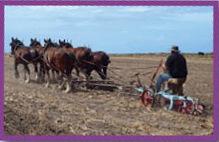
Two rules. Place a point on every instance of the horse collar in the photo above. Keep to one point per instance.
(16, 47)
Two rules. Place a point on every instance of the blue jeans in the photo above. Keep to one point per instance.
(161, 79)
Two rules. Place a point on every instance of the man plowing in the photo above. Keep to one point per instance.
(175, 72)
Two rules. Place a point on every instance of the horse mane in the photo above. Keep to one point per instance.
(69, 45)
(65, 44)
(82, 47)
(22, 44)
(54, 44)
(18, 44)
(38, 43)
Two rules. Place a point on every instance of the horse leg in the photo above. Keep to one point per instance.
(100, 73)
(63, 81)
(105, 71)
(25, 74)
(48, 79)
(56, 75)
(88, 73)
(68, 82)
(77, 71)
(36, 71)
(27, 70)
(53, 75)
(68, 85)
(16, 70)
(42, 72)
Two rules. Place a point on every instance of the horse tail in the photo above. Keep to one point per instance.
(109, 61)
(106, 59)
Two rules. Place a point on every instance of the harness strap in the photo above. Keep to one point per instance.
(22, 58)
(25, 59)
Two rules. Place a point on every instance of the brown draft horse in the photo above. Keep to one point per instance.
(59, 60)
(82, 54)
(37, 46)
(98, 61)
(24, 55)
(40, 49)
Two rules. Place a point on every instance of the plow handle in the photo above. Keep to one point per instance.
(154, 75)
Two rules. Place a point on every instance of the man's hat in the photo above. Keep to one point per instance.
(175, 48)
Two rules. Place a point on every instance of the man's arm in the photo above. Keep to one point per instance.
(164, 68)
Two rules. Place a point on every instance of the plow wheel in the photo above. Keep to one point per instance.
(146, 98)
(189, 109)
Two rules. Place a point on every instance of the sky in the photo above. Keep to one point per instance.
(114, 29)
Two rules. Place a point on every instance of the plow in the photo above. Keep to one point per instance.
(182, 104)
(148, 95)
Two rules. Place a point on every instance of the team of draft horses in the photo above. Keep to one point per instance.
(60, 58)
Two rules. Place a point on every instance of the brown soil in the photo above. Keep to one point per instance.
(32, 109)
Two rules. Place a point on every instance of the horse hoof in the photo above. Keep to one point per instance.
(41, 80)
(27, 81)
(47, 85)
(36, 78)
(67, 91)
(17, 76)
(60, 87)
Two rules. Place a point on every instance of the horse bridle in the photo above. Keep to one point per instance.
(17, 45)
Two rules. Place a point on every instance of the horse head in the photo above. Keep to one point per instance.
(48, 43)
(55, 44)
(68, 45)
(87, 54)
(34, 42)
(64, 44)
(61, 43)
(15, 44)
